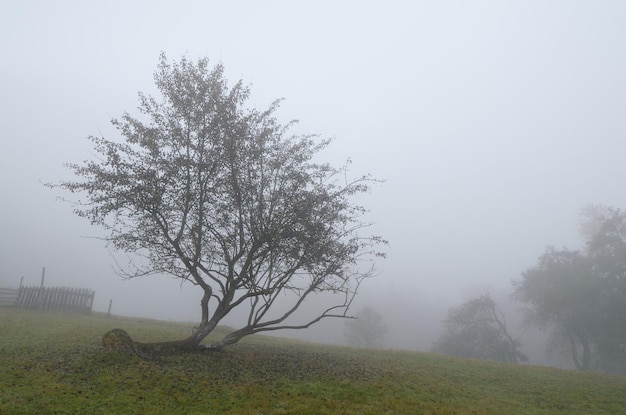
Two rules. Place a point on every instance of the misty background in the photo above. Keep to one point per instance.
(492, 123)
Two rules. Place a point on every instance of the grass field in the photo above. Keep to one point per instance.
(53, 363)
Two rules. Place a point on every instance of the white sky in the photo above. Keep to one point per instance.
(492, 122)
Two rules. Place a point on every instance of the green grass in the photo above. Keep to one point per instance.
(52, 363)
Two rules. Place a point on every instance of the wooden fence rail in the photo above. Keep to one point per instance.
(54, 298)
(8, 296)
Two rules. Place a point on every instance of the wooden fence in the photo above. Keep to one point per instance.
(8, 296)
(49, 298)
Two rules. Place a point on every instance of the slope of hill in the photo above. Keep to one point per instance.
(53, 363)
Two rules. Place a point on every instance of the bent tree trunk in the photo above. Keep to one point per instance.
(119, 339)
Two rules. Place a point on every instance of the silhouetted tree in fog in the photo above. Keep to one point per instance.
(580, 296)
(366, 330)
(220, 196)
(605, 231)
(560, 297)
(477, 329)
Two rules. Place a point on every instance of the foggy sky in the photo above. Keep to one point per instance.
(493, 124)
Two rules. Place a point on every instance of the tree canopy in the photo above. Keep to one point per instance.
(579, 296)
(203, 188)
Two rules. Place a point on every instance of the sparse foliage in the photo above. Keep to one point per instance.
(219, 195)
(366, 330)
(580, 296)
(477, 329)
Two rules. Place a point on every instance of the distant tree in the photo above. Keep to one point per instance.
(561, 298)
(366, 330)
(218, 195)
(605, 231)
(477, 329)
(580, 296)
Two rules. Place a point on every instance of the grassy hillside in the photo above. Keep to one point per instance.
(52, 363)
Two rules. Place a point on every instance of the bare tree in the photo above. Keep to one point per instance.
(477, 329)
(219, 195)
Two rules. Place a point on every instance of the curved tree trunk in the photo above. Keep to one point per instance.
(119, 339)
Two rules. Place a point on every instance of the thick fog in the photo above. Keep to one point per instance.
(492, 124)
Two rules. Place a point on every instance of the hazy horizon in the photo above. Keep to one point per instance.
(492, 123)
